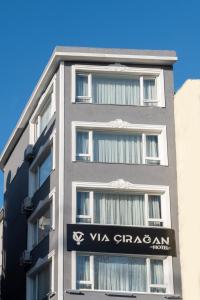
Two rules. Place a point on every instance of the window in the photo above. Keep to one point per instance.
(42, 283)
(44, 112)
(117, 147)
(42, 225)
(41, 221)
(120, 273)
(44, 117)
(118, 86)
(44, 169)
(120, 208)
(40, 278)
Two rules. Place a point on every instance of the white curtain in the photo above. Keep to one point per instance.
(117, 148)
(82, 270)
(119, 273)
(149, 89)
(110, 90)
(82, 203)
(152, 145)
(154, 207)
(82, 144)
(157, 275)
(81, 85)
(119, 209)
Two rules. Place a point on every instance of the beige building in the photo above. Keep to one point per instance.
(187, 124)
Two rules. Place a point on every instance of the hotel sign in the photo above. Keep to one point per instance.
(121, 239)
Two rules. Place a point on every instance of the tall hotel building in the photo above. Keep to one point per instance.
(90, 191)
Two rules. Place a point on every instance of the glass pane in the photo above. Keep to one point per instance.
(115, 90)
(157, 275)
(83, 203)
(120, 273)
(82, 145)
(120, 209)
(82, 269)
(45, 169)
(117, 148)
(83, 220)
(150, 89)
(44, 224)
(154, 207)
(152, 146)
(81, 85)
(44, 283)
(46, 115)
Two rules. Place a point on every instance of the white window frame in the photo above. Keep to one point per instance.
(143, 73)
(47, 202)
(33, 172)
(41, 262)
(167, 267)
(36, 117)
(119, 186)
(118, 124)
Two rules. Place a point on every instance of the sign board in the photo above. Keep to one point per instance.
(121, 239)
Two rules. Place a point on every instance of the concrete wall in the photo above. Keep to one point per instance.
(187, 121)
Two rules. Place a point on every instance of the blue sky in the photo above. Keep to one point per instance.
(29, 31)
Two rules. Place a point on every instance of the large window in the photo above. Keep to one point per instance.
(118, 147)
(120, 208)
(117, 89)
(120, 273)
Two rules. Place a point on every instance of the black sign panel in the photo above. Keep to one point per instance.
(121, 239)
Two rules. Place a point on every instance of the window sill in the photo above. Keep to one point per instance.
(120, 105)
(115, 294)
(126, 164)
(173, 297)
(74, 292)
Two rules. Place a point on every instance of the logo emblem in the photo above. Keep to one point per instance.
(78, 237)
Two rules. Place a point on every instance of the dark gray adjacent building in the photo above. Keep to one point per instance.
(90, 192)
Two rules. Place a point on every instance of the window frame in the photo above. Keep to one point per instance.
(142, 73)
(41, 263)
(124, 127)
(40, 157)
(167, 271)
(49, 201)
(35, 120)
(121, 186)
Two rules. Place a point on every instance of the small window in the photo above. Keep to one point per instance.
(152, 151)
(82, 145)
(44, 169)
(157, 276)
(82, 88)
(42, 225)
(83, 207)
(42, 283)
(150, 97)
(155, 212)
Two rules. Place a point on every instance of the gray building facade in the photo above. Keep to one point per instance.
(95, 146)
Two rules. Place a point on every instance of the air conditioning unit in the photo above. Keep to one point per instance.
(25, 258)
(29, 153)
(27, 205)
